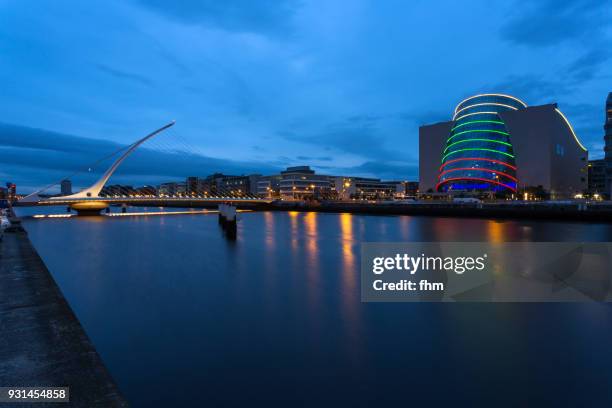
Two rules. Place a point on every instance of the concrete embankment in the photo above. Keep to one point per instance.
(41, 341)
(596, 212)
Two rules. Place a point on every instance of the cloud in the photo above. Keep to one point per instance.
(378, 169)
(310, 158)
(39, 157)
(585, 67)
(550, 22)
(128, 76)
(425, 117)
(269, 17)
(531, 88)
(357, 135)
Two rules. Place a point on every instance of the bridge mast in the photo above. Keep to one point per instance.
(94, 190)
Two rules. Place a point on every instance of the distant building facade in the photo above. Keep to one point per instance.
(117, 190)
(496, 144)
(608, 145)
(11, 191)
(408, 189)
(597, 176)
(221, 184)
(362, 188)
(301, 182)
(66, 187)
(269, 186)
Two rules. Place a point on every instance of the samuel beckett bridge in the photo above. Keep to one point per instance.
(93, 199)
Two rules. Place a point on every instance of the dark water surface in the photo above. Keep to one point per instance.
(184, 317)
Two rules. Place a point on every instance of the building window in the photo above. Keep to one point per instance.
(559, 150)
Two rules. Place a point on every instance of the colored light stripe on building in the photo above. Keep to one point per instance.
(484, 104)
(476, 140)
(476, 148)
(490, 94)
(501, 173)
(478, 121)
(476, 179)
(477, 159)
(571, 129)
(477, 131)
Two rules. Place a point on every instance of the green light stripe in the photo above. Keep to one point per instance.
(476, 140)
(478, 130)
(478, 121)
(475, 148)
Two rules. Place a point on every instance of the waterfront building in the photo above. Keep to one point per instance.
(497, 145)
(269, 186)
(146, 191)
(407, 189)
(301, 182)
(198, 186)
(239, 185)
(117, 190)
(411, 188)
(608, 145)
(362, 188)
(167, 189)
(597, 177)
(66, 187)
(181, 189)
(11, 190)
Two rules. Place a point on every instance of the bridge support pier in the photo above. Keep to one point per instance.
(228, 220)
(88, 208)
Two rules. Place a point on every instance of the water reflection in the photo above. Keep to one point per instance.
(294, 232)
(312, 247)
(495, 231)
(350, 293)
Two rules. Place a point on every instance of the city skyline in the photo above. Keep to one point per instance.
(256, 89)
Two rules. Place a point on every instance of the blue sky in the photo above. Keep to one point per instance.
(259, 85)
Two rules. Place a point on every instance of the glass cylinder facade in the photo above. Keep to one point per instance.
(478, 155)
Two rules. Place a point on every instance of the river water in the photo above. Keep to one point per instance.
(182, 316)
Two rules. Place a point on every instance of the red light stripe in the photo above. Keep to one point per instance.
(478, 158)
(479, 169)
(477, 179)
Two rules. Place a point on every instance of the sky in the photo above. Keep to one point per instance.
(256, 86)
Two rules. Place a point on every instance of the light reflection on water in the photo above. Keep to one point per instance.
(173, 307)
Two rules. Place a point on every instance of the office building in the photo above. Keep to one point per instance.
(117, 190)
(597, 177)
(301, 182)
(66, 187)
(362, 188)
(497, 145)
(608, 145)
(11, 190)
(239, 185)
(269, 186)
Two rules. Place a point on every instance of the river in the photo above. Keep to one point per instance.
(182, 316)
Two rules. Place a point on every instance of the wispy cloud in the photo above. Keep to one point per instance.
(41, 156)
(124, 75)
(262, 16)
(550, 22)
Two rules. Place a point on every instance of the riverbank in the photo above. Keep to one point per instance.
(41, 341)
(562, 211)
